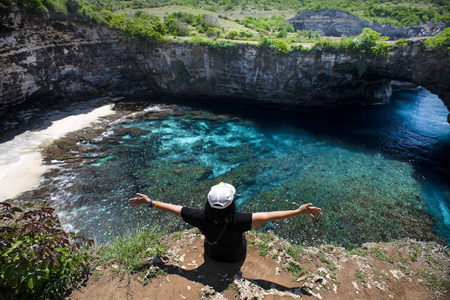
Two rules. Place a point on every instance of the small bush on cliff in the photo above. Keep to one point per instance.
(280, 45)
(214, 44)
(34, 6)
(441, 40)
(138, 29)
(38, 259)
(401, 43)
(368, 42)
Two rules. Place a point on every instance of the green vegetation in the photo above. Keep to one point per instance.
(360, 275)
(274, 24)
(398, 13)
(441, 40)
(401, 43)
(182, 24)
(280, 45)
(128, 253)
(437, 283)
(264, 242)
(368, 42)
(137, 22)
(395, 13)
(142, 28)
(37, 257)
(261, 17)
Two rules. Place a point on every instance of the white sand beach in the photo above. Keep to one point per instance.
(21, 165)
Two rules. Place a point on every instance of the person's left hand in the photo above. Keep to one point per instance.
(138, 201)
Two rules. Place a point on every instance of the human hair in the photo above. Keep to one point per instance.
(220, 215)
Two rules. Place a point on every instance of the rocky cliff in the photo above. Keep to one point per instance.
(63, 58)
(338, 23)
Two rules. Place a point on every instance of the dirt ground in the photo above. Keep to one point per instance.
(404, 269)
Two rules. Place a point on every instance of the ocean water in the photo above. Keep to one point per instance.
(379, 172)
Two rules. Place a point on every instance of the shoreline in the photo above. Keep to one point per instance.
(20, 158)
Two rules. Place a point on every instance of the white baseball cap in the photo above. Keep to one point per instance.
(221, 195)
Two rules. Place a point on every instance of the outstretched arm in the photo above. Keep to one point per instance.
(264, 217)
(144, 200)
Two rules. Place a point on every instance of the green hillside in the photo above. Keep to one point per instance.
(395, 13)
(250, 20)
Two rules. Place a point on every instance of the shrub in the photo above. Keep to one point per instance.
(196, 39)
(441, 40)
(282, 46)
(138, 29)
(223, 46)
(232, 34)
(368, 42)
(369, 38)
(265, 42)
(38, 257)
(401, 43)
(281, 34)
(176, 28)
(34, 6)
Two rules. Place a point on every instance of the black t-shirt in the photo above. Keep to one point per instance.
(231, 245)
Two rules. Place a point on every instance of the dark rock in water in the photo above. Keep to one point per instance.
(133, 131)
(379, 92)
(401, 85)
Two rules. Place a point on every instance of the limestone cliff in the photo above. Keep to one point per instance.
(49, 59)
(337, 23)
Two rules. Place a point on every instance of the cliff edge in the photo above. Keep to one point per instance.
(273, 269)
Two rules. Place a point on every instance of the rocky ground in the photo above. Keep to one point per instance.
(404, 269)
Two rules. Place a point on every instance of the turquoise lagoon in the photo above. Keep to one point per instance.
(379, 172)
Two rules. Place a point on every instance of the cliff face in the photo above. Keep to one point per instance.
(52, 59)
(338, 23)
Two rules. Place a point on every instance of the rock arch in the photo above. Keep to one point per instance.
(72, 59)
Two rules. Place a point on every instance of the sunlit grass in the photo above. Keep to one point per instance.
(129, 252)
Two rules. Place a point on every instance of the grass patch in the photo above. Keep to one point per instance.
(358, 251)
(130, 252)
(360, 275)
(437, 283)
(264, 242)
(295, 269)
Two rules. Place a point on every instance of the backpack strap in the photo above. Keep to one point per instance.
(215, 243)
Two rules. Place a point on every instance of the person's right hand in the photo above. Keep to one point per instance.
(138, 201)
(310, 210)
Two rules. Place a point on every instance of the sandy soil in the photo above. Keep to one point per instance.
(398, 270)
(20, 159)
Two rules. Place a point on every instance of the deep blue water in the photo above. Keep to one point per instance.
(394, 156)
